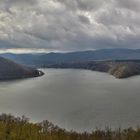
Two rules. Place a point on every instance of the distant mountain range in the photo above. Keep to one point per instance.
(44, 59)
(10, 70)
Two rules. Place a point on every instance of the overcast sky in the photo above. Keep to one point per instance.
(69, 25)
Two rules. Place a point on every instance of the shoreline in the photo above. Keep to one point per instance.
(10, 78)
(118, 69)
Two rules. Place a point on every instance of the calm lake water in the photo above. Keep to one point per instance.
(74, 99)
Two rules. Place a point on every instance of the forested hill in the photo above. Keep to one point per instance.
(119, 69)
(15, 128)
(11, 70)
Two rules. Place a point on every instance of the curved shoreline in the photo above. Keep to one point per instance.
(118, 69)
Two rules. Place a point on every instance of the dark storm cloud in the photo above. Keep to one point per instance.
(7, 4)
(129, 4)
(85, 5)
(21, 1)
(84, 19)
(17, 2)
(67, 25)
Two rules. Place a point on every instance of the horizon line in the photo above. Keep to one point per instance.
(47, 51)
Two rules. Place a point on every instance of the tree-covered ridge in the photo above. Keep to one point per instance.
(16, 128)
(117, 68)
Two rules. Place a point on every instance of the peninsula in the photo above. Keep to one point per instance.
(10, 70)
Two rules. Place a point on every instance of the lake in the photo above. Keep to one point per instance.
(81, 100)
